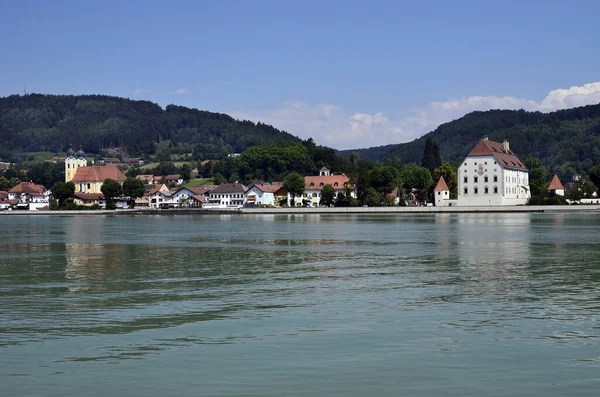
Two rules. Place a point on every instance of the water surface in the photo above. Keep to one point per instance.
(300, 305)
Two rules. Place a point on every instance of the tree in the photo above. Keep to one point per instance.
(327, 195)
(447, 171)
(372, 198)
(294, 185)
(385, 179)
(219, 179)
(111, 189)
(538, 176)
(431, 156)
(62, 191)
(416, 179)
(134, 188)
(186, 172)
(594, 173)
(4, 183)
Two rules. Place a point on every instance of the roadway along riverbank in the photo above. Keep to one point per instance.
(334, 210)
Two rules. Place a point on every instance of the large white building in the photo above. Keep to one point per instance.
(492, 175)
(314, 184)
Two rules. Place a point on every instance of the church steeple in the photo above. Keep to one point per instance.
(72, 162)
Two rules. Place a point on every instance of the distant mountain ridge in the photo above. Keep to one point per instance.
(564, 138)
(36, 122)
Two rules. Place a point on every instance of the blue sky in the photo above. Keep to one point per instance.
(347, 73)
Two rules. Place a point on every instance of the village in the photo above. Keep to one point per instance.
(491, 175)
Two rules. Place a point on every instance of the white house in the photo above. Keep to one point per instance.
(556, 186)
(30, 196)
(314, 184)
(183, 196)
(492, 175)
(232, 195)
(262, 193)
(174, 178)
(441, 194)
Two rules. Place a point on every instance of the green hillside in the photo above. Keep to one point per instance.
(563, 139)
(49, 123)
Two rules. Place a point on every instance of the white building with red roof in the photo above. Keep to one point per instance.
(314, 184)
(492, 174)
(262, 193)
(556, 187)
(28, 195)
(227, 195)
(441, 194)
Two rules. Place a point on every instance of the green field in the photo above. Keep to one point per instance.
(197, 182)
(152, 165)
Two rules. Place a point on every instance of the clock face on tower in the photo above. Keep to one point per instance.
(480, 169)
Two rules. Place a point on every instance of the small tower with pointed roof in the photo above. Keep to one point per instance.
(441, 192)
(74, 161)
(556, 187)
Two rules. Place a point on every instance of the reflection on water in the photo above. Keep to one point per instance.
(310, 304)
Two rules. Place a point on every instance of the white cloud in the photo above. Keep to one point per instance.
(178, 91)
(333, 126)
(182, 91)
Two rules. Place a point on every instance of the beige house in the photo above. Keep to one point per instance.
(90, 179)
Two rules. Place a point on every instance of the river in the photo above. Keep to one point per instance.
(300, 305)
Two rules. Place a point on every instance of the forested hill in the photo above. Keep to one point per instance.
(37, 122)
(565, 138)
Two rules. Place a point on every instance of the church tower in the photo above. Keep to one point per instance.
(72, 162)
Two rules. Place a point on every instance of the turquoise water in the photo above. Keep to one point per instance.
(332, 305)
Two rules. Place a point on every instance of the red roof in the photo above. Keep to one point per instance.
(97, 173)
(145, 177)
(173, 177)
(441, 185)
(88, 196)
(506, 158)
(338, 182)
(200, 197)
(28, 188)
(230, 188)
(555, 184)
(266, 187)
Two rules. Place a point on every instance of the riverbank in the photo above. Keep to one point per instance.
(333, 210)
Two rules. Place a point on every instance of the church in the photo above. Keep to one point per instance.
(89, 179)
(492, 174)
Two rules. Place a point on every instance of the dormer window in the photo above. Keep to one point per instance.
(312, 184)
(321, 184)
(335, 184)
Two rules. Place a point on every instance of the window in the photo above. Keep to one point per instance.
(475, 190)
(475, 180)
(466, 190)
(495, 189)
(89, 186)
(486, 163)
(485, 179)
(485, 190)
(495, 178)
(439, 193)
(445, 193)
(466, 179)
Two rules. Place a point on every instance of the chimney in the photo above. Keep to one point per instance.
(505, 145)
(485, 137)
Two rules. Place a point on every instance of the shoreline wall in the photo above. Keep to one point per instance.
(308, 211)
